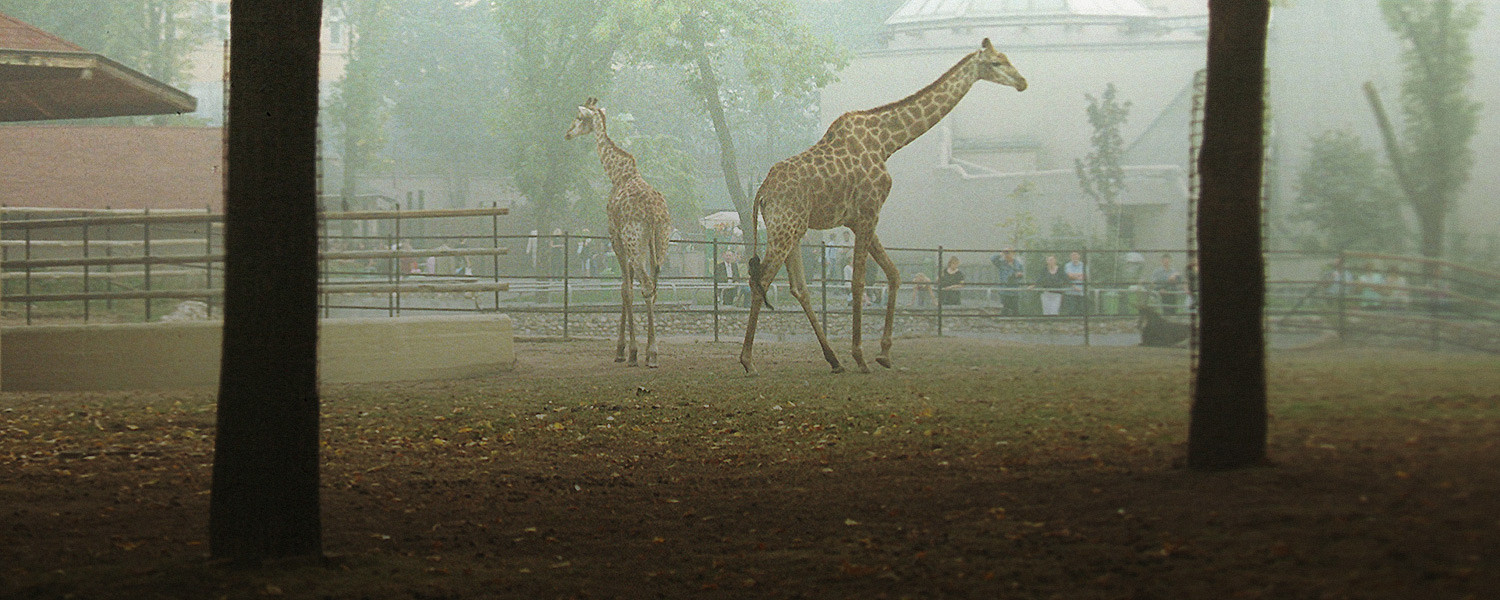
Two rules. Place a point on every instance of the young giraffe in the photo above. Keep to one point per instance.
(639, 227)
(842, 180)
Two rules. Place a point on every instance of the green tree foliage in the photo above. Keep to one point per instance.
(155, 37)
(559, 54)
(1345, 200)
(1100, 174)
(666, 163)
(428, 71)
(1441, 119)
(762, 41)
(357, 112)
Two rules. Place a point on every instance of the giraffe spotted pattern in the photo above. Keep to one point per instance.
(842, 181)
(639, 229)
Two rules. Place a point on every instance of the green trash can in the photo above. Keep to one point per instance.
(1109, 303)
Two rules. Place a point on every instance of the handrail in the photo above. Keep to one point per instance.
(218, 218)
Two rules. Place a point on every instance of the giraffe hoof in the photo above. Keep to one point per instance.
(838, 368)
(619, 359)
(884, 362)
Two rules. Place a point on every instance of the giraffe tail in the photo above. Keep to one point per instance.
(653, 261)
(756, 287)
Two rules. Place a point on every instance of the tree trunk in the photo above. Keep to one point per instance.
(265, 497)
(1228, 428)
(710, 86)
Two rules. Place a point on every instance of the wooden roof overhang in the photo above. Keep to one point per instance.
(40, 85)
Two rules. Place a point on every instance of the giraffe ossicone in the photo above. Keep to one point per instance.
(842, 181)
(639, 228)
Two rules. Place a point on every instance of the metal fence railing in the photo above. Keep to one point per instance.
(142, 266)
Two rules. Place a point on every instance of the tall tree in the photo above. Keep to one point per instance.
(558, 57)
(1345, 201)
(265, 498)
(357, 112)
(776, 52)
(1228, 415)
(1440, 118)
(1101, 174)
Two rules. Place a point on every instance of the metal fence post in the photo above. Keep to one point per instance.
(494, 244)
(85, 235)
(567, 245)
(323, 264)
(823, 279)
(940, 292)
(1087, 305)
(396, 268)
(27, 256)
(208, 250)
(714, 275)
(146, 252)
(1340, 268)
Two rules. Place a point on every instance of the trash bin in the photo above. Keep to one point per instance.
(1109, 303)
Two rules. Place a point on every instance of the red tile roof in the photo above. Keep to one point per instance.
(19, 35)
(112, 167)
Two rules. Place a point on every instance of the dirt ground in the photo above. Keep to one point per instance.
(974, 469)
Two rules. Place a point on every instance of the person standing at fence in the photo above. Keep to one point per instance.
(922, 294)
(1053, 280)
(1400, 297)
(1371, 287)
(950, 284)
(555, 252)
(727, 271)
(1012, 272)
(1075, 303)
(1166, 282)
(532, 251)
(585, 253)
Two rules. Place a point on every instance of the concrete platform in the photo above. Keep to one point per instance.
(186, 354)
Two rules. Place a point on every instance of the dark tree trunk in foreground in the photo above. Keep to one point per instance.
(1228, 428)
(265, 477)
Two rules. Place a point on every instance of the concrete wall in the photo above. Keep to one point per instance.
(186, 354)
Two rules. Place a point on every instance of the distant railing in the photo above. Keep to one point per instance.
(456, 260)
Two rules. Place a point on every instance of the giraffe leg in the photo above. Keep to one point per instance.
(798, 282)
(630, 319)
(857, 295)
(745, 361)
(763, 278)
(648, 292)
(624, 306)
(893, 282)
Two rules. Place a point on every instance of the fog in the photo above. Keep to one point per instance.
(463, 105)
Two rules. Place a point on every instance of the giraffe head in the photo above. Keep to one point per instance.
(590, 119)
(994, 66)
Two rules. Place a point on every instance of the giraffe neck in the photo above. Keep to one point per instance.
(897, 124)
(619, 165)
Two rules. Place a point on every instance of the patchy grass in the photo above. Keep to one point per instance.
(974, 469)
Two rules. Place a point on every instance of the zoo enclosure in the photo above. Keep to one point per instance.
(124, 265)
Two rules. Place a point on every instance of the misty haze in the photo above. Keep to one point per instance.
(749, 298)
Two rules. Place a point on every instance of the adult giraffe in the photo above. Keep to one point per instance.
(639, 227)
(842, 181)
